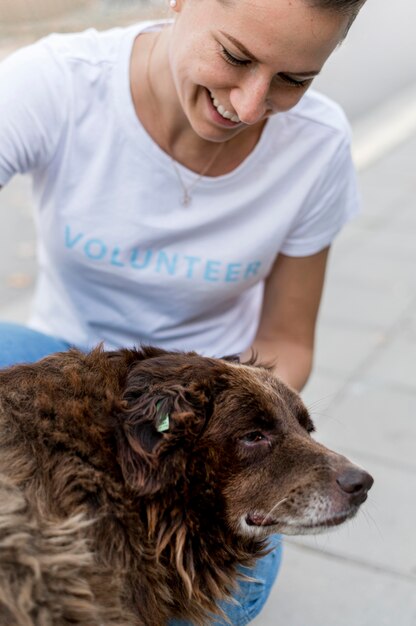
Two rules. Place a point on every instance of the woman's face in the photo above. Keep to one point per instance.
(236, 62)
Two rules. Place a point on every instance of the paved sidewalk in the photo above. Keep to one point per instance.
(362, 396)
(100, 14)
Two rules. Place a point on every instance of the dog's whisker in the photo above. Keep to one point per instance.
(322, 414)
(369, 518)
(272, 510)
(315, 403)
(375, 505)
(328, 417)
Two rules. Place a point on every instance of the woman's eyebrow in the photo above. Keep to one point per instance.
(240, 46)
(251, 56)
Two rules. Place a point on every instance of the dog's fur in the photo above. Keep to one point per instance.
(106, 520)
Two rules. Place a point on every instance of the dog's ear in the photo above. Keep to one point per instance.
(156, 430)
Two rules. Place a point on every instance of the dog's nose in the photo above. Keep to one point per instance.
(356, 482)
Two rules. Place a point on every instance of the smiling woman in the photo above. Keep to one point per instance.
(188, 185)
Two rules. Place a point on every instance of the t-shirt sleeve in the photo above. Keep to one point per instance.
(333, 201)
(32, 109)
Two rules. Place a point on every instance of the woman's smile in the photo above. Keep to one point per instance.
(220, 114)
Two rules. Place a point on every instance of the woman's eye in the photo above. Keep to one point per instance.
(232, 59)
(294, 83)
(254, 437)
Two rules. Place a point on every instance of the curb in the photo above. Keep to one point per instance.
(384, 128)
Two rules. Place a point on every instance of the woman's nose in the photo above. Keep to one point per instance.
(250, 99)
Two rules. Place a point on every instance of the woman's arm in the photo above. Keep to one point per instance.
(285, 337)
(33, 108)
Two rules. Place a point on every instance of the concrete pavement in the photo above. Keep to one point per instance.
(362, 397)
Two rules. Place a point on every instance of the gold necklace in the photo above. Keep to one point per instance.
(186, 189)
(187, 198)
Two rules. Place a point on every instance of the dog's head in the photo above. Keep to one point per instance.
(235, 443)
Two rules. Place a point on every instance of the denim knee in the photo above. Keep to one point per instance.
(250, 597)
(20, 344)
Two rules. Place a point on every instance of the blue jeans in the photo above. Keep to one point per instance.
(250, 596)
(19, 344)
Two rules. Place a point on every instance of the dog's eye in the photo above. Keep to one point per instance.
(254, 437)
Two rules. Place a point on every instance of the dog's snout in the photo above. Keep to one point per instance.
(355, 482)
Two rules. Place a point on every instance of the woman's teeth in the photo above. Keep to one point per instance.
(223, 112)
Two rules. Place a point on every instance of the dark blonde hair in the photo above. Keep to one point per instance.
(339, 5)
(351, 7)
(348, 7)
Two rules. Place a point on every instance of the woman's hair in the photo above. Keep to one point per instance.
(348, 7)
(344, 6)
(351, 7)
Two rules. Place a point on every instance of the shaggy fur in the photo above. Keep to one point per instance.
(106, 520)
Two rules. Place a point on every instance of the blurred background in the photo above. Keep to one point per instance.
(362, 394)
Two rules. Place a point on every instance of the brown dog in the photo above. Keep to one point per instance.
(133, 482)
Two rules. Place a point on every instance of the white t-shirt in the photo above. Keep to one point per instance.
(120, 259)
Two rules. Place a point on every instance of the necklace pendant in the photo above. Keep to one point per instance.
(186, 200)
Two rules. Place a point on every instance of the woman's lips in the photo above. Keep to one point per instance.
(218, 118)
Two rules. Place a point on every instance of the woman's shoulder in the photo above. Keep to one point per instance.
(321, 114)
(91, 46)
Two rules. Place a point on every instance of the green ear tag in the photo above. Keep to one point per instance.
(163, 425)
